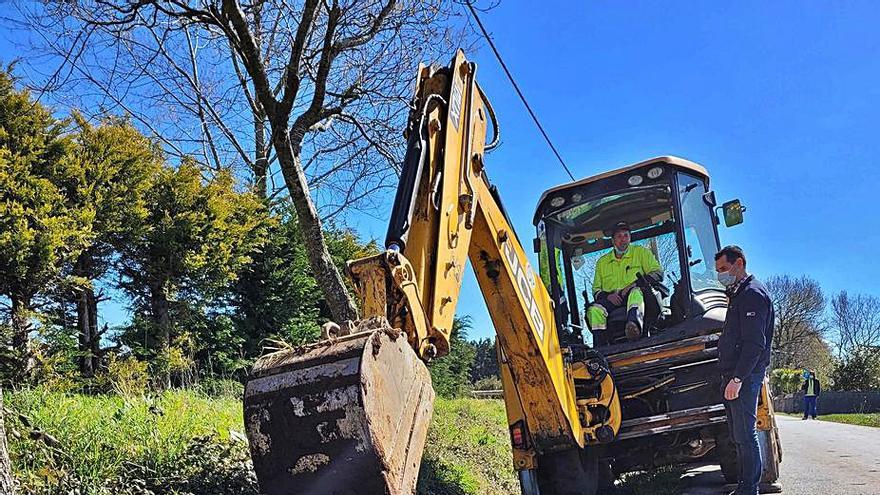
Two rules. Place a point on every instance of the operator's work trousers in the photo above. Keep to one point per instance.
(597, 314)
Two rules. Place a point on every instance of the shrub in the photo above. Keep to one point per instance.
(221, 388)
(488, 383)
(450, 375)
(128, 376)
(785, 380)
(858, 371)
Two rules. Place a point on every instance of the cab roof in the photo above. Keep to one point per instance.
(674, 161)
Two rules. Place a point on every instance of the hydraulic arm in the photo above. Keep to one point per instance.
(350, 414)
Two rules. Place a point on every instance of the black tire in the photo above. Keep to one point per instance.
(769, 455)
(606, 475)
(570, 472)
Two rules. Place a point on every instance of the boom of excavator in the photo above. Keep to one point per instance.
(349, 414)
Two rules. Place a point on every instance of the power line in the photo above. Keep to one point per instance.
(518, 91)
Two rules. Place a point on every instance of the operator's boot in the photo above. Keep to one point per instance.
(633, 332)
(635, 315)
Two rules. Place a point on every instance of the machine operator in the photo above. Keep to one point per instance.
(614, 283)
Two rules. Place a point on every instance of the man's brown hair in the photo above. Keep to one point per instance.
(732, 253)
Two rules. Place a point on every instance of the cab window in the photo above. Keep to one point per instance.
(699, 233)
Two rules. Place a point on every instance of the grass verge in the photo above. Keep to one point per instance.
(468, 450)
(176, 442)
(869, 419)
(180, 442)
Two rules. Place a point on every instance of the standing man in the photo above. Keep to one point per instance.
(811, 389)
(743, 357)
(614, 283)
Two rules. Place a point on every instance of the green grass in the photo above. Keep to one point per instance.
(179, 443)
(872, 419)
(468, 450)
(105, 440)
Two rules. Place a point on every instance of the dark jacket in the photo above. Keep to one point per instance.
(744, 346)
(817, 387)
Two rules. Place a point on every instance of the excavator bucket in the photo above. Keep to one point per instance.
(343, 416)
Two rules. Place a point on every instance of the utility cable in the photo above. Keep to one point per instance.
(518, 91)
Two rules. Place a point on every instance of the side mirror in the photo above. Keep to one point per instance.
(733, 212)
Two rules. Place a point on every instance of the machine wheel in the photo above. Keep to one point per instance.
(606, 474)
(769, 455)
(570, 472)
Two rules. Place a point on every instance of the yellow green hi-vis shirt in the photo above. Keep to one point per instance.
(614, 274)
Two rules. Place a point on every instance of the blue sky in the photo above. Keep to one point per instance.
(779, 100)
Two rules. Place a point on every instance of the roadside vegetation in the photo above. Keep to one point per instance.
(190, 442)
(468, 450)
(176, 441)
(872, 419)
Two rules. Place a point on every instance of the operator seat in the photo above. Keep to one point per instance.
(615, 331)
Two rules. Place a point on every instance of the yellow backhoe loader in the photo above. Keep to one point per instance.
(350, 413)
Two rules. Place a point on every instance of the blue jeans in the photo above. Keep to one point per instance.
(810, 409)
(741, 418)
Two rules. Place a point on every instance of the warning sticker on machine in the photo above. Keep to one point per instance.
(455, 103)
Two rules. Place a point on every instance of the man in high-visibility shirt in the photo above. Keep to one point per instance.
(811, 389)
(613, 284)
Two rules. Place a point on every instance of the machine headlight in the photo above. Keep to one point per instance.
(655, 172)
(557, 201)
(635, 180)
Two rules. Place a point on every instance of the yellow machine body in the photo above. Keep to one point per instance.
(309, 417)
(350, 414)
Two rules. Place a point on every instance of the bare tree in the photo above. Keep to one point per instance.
(857, 321)
(6, 484)
(315, 91)
(800, 307)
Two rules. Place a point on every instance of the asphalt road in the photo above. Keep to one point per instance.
(818, 458)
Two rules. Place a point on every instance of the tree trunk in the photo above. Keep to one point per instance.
(261, 154)
(261, 151)
(21, 326)
(94, 333)
(6, 485)
(87, 328)
(161, 340)
(87, 317)
(329, 279)
(161, 317)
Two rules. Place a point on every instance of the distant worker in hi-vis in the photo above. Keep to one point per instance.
(811, 389)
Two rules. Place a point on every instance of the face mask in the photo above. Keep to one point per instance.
(726, 278)
(806, 374)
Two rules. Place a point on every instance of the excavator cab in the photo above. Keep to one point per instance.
(667, 380)
(671, 211)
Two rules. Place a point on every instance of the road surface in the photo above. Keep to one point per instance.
(818, 458)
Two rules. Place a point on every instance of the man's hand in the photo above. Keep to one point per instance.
(615, 298)
(731, 392)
